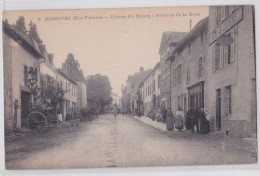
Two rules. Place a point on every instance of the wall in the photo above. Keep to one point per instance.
(238, 75)
(20, 57)
(8, 96)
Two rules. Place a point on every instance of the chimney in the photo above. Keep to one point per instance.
(190, 24)
(141, 69)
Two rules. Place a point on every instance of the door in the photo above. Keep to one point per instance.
(253, 108)
(218, 109)
(185, 104)
(25, 105)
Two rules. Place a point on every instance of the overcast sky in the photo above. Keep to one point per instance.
(113, 47)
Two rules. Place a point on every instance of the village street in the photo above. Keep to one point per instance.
(110, 142)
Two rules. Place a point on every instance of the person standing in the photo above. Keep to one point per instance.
(179, 119)
(115, 111)
(170, 121)
(164, 114)
(188, 119)
(194, 120)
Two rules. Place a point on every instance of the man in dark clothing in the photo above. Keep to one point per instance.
(188, 119)
(204, 123)
(164, 114)
(195, 120)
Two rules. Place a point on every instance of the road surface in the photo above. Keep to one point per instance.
(122, 142)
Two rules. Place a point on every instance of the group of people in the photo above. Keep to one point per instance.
(194, 118)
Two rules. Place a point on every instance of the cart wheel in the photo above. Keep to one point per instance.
(36, 121)
(52, 121)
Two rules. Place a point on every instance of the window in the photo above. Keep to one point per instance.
(201, 38)
(61, 84)
(228, 100)
(222, 9)
(188, 74)
(179, 101)
(189, 49)
(158, 81)
(200, 74)
(218, 15)
(36, 75)
(179, 73)
(217, 56)
(25, 70)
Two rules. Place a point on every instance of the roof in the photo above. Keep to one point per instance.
(170, 37)
(194, 33)
(66, 76)
(22, 38)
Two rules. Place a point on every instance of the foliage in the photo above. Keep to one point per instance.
(33, 82)
(88, 113)
(98, 91)
(33, 32)
(20, 24)
(72, 61)
(51, 93)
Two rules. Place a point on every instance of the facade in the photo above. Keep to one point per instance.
(21, 56)
(77, 76)
(232, 70)
(189, 63)
(130, 93)
(168, 42)
(69, 101)
(150, 90)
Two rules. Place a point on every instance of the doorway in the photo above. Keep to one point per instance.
(218, 109)
(25, 105)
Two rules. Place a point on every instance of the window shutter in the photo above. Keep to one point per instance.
(225, 55)
(221, 57)
(213, 58)
(233, 46)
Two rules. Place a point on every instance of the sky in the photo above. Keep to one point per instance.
(116, 43)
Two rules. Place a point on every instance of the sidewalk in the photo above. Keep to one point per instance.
(214, 139)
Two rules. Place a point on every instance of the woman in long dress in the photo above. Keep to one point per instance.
(179, 119)
(170, 121)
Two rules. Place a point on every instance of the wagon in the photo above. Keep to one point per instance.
(41, 116)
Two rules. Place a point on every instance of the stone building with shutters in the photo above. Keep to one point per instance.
(68, 104)
(78, 77)
(188, 67)
(150, 90)
(21, 56)
(168, 42)
(231, 75)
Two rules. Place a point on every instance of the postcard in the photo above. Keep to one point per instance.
(130, 87)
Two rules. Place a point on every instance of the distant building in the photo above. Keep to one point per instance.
(77, 76)
(168, 42)
(232, 70)
(68, 104)
(131, 90)
(150, 91)
(21, 54)
(189, 63)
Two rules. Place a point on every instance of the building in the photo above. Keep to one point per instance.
(69, 101)
(232, 83)
(188, 64)
(168, 42)
(150, 90)
(131, 90)
(22, 57)
(77, 75)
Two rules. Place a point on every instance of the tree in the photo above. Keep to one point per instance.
(34, 33)
(20, 24)
(98, 91)
(72, 61)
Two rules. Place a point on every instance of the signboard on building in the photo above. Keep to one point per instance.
(231, 21)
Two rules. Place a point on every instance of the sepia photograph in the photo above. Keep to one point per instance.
(129, 87)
